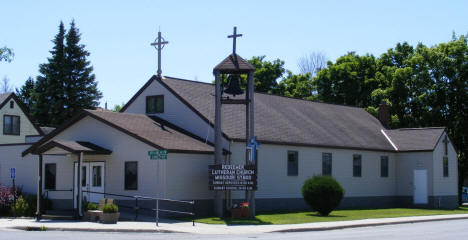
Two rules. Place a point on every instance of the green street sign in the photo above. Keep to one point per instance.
(158, 154)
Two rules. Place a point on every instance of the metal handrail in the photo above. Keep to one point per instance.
(157, 209)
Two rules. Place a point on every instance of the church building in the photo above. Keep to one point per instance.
(103, 151)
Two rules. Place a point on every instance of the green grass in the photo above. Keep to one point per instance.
(338, 215)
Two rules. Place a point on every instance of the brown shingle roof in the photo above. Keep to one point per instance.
(234, 64)
(152, 132)
(289, 121)
(415, 139)
(3, 97)
(149, 130)
(74, 147)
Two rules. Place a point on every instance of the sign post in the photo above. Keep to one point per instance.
(13, 176)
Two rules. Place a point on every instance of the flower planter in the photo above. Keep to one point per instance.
(245, 212)
(110, 218)
(236, 213)
(93, 215)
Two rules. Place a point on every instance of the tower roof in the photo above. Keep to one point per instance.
(234, 64)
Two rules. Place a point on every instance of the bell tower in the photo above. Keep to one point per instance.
(233, 66)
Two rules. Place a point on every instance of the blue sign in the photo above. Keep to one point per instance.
(12, 173)
(253, 145)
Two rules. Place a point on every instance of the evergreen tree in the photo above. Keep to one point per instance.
(26, 91)
(48, 94)
(66, 83)
(80, 87)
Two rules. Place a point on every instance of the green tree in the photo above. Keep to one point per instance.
(267, 73)
(26, 91)
(6, 54)
(296, 86)
(66, 83)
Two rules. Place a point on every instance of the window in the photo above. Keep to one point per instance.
(384, 166)
(83, 176)
(155, 104)
(50, 173)
(97, 176)
(131, 176)
(293, 169)
(446, 170)
(357, 165)
(12, 104)
(11, 125)
(326, 164)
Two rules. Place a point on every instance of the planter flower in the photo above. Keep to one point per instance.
(110, 213)
(240, 211)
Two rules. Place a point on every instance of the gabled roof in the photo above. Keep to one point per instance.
(74, 147)
(140, 127)
(5, 98)
(288, 121)
(415, 139)
(234, 64)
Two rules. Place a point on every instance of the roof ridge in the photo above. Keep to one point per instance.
(422, 128)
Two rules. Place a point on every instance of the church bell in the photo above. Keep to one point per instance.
(233, 87)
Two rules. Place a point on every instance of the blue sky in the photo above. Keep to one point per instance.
(118, 34)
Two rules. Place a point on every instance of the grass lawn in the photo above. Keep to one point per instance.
(338, 215)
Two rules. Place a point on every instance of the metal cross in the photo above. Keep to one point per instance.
(234, 36)
(159, 44)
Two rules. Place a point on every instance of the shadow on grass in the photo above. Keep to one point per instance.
(246, 221)
(329, 216)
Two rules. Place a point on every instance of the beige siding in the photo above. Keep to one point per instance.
(180, 176)
(26, 127)
(175, 112)
(445, 186)
(273, 181)
(406, 164)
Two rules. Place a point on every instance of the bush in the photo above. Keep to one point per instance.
(322, 193)
(22, 208)
(110, 208)
(91, 206)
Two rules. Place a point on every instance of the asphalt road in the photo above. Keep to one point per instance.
(446, 230)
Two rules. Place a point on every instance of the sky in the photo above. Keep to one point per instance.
(118, 34)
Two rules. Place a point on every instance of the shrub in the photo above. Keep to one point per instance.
(110, 208)
(322, 193)
(21, 208)
(91, 206)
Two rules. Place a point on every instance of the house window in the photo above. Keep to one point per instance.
(446, 170)
(384, 166)
(131, 176)
(357, 165)
(12, 104)
(326, 164)
(293, 169)
(155, 104)
(11, 125)
(50, 176)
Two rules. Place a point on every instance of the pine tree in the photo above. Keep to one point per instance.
(26, 91)
(80, 87)
(48, 93)
(66, 83)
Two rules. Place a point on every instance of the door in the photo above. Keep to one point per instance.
(420, 187)
(92, 180)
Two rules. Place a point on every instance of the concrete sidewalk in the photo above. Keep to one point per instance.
(200, 228)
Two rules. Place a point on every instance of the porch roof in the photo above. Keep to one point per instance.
(72, 147)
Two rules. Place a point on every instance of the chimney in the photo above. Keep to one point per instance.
(384, 114)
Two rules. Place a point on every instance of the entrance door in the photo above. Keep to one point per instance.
(92, 180)
(420, 187)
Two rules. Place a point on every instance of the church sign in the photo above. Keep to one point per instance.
(232, 177)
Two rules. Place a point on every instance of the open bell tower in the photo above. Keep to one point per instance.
(233, 66)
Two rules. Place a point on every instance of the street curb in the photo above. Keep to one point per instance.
(38, 229)
(365, 225)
